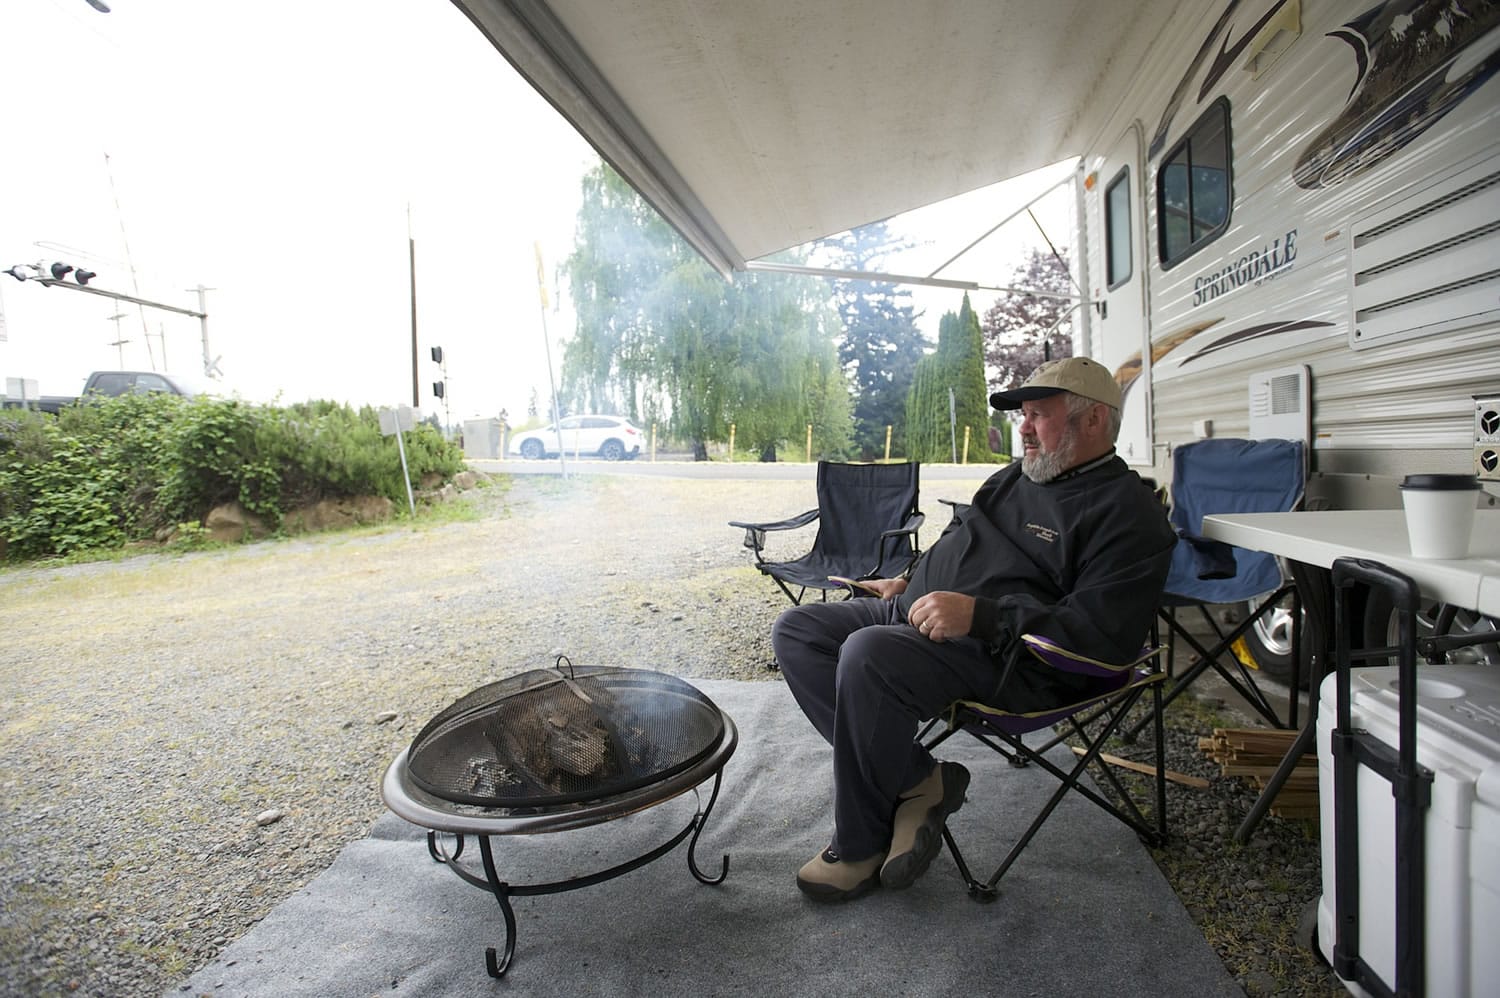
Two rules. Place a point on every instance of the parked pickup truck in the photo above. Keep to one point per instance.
(111, 383)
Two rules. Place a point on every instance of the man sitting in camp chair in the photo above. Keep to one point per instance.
(1070, 545)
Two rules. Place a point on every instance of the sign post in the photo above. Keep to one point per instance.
(394, 421)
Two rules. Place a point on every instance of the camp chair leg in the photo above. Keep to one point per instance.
(1243, 684)
(983, 893)
(796, 600)
(987, 891)
(1151, 832)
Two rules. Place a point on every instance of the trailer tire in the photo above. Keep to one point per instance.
(1269, 641)
(1381, 629)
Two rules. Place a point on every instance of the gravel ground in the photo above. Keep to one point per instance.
(190, 739)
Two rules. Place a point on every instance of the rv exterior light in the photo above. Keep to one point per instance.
(61, 270)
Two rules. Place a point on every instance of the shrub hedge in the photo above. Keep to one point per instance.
(119, 469)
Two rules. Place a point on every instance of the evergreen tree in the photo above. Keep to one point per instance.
(935, 432)
(881, 344)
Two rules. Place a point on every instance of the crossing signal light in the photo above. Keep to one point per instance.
(438, 388)
(57, 271)
(437, 357)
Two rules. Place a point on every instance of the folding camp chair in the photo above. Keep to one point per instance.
(867, 520)
(1092, 721)
(1229, 476)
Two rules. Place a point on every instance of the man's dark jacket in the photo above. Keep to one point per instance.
(1080, 560)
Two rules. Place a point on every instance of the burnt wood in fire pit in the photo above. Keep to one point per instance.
(551, 750)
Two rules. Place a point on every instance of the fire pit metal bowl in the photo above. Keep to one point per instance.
(553, 750)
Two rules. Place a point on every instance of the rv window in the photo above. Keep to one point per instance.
(1193, 191)
(1117, 229)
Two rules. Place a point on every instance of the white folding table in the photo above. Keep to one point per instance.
(1320, 537)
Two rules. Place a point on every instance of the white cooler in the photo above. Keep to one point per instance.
(1458, 738)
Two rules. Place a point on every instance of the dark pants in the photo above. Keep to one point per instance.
(866, 679)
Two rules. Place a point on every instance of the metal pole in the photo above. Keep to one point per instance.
(952, 424)
(1083, 335)
(411, 252)
(541, 285)
(210, 363)
(120, 340)
(411, 502)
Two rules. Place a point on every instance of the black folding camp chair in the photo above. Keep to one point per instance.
(1092, 721)
(867, 520)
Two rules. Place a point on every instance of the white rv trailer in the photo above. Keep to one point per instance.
(1294, 231)
(1290, 207)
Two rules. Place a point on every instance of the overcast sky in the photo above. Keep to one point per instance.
(269, 151)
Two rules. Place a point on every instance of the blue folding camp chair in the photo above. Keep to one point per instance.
(1229, 476)
(1092, 720)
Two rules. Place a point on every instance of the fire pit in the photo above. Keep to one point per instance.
(553, 750)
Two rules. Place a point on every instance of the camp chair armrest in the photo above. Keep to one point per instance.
(1211, 559)
(890, 549)
(755, 533)
(1056, 656)
(800, 520)
(907, 529)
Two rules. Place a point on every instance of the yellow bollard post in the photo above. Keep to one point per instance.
(966, 445)
(888, 441)
(653, 443)
(809, 443)
(731, 441)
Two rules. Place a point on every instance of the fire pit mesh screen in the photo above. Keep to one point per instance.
(550, 737)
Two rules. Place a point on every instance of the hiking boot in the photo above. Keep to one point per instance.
(825, 877)
(917, 831)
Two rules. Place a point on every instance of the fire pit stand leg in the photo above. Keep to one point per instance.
(503, 892)
(699, 820)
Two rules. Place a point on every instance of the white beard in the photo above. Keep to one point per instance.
(1042, 468)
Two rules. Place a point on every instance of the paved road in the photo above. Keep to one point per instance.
(725, 470)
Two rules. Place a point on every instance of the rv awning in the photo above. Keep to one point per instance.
(757, 125)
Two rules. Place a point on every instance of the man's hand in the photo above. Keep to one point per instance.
(885, 588)
(942, 615)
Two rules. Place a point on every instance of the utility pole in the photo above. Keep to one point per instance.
(210, 363)
(120, 340)
(411, 252)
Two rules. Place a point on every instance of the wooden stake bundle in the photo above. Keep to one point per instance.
(1256, 754)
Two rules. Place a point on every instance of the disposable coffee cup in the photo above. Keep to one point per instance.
(1439, 514)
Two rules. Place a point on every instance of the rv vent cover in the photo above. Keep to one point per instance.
(1425, 264)
(1279, 407)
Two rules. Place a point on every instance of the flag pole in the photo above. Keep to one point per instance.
(541, 286)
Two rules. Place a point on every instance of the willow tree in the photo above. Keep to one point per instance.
(663, 336)
(957, 366)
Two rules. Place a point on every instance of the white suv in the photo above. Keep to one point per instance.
(610, 437)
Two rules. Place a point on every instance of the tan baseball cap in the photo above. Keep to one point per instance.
(1078, 375)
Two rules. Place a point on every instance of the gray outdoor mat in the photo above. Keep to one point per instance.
(1083, 912)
